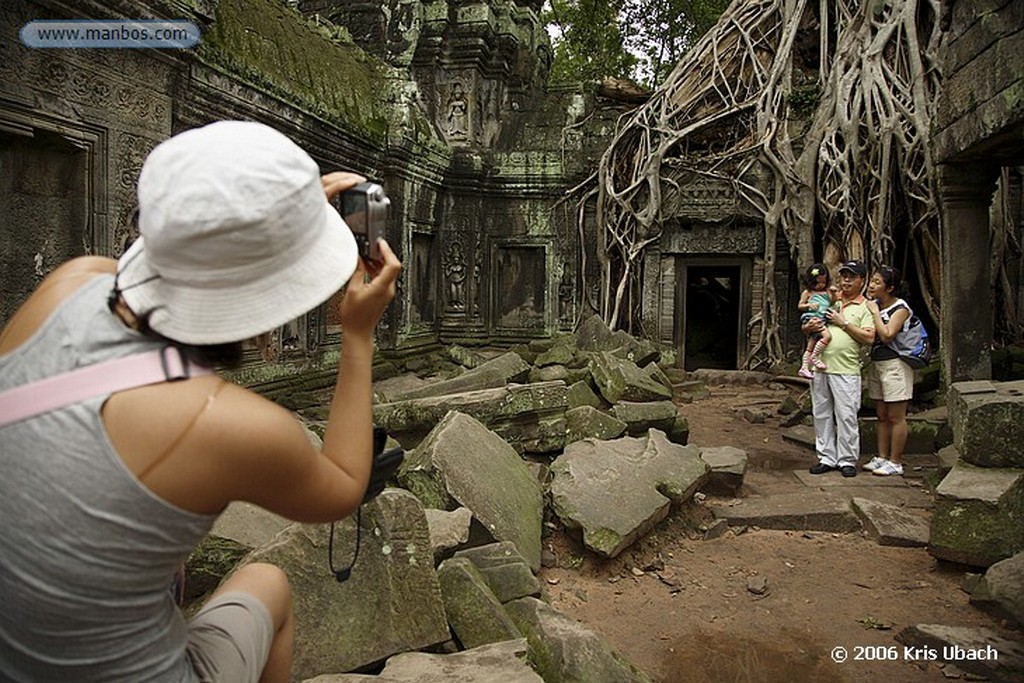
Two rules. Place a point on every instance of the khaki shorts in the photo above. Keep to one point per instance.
(229, 639)
(890, 381)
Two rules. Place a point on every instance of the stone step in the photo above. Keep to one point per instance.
(925, 435)
(801, 510)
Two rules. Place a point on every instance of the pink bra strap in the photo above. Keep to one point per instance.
(28, 400)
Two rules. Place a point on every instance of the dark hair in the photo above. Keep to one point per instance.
(893, 278)
(811, 275)
(227, 355)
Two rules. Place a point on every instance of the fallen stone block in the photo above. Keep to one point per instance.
(979, 515)
(592, 334)
(549, 373)
(621, 380)
(891, 525)
(679, 432)
(464, 357)
(391, 602)
(1001, 589)
(506, 572)
(448, 530)
(530, 417)
(563, 650)
(616, 491)
(639, 417)
(560, 354)
(475, 615)
(580, 394)
(497, 372)
(988, 422)
(728, 467)
(586, 422)
(503, 662)
(688, 391)
(803, 511)
(463, 461)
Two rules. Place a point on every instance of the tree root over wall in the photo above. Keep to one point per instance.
(829, 146)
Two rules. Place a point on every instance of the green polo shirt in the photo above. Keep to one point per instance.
(843, 353)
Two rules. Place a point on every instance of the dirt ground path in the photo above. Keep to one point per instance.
(681, 607)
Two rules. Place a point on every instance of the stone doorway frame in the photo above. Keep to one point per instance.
(683, 264)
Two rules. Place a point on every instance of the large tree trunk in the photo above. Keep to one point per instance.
(857, 182)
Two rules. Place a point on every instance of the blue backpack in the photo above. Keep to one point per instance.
(912, 343)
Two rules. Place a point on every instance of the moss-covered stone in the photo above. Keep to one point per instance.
(475, 614)
(274, 48)
(979, 515)
(210, 561)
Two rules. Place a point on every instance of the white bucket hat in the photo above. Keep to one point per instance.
(237, 236)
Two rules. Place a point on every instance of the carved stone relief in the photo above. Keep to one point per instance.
(705, 238)
(455, 111)
(422, 283)
(456, 271)
(520, 278)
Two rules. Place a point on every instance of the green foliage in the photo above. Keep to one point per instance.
(661, 31)
(637, 39)
(588, 41)
(803, 101)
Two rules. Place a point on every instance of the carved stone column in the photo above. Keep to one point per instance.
(967, 314)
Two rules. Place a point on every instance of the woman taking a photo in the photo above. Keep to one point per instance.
(890, 379)
(104, 497)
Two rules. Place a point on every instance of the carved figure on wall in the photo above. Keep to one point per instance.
(520, 280)
(457, 121)
(455, 271)
(565, 287)
(475, 308)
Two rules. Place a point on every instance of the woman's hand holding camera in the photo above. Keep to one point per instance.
(373, 284)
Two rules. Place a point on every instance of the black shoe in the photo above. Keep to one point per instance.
(848, 471)
(822, 468)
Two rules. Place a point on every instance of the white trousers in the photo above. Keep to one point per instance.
(835, 401)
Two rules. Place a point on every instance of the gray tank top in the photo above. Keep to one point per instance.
(86, 551)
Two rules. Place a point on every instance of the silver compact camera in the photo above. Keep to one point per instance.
(365, 209)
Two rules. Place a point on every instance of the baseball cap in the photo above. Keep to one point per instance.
(855, 267)
(237, 236)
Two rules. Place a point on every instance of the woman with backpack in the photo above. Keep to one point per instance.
(890, 379)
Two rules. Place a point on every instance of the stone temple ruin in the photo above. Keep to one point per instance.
(446, 103)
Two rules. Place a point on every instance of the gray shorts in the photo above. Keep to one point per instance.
(229, 639)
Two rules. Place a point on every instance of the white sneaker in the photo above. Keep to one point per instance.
(888, 467)
(874, 463)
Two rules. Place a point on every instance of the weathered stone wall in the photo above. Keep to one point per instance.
(981, 108)
(977, 131)
(444, 102)
(485, 258)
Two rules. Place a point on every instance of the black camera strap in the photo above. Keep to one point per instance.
(345, 572)
(383, 467)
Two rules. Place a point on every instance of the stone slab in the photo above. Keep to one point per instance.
(988, 427)
(891, 525)
(800, 510)
(984, 484)
(503, 662)
(835, 480)
(924, 434)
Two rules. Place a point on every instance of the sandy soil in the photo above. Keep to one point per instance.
(680, 607)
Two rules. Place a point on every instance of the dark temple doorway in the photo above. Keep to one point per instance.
(713, 303)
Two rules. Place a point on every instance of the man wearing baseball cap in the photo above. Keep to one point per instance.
(835, 391)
